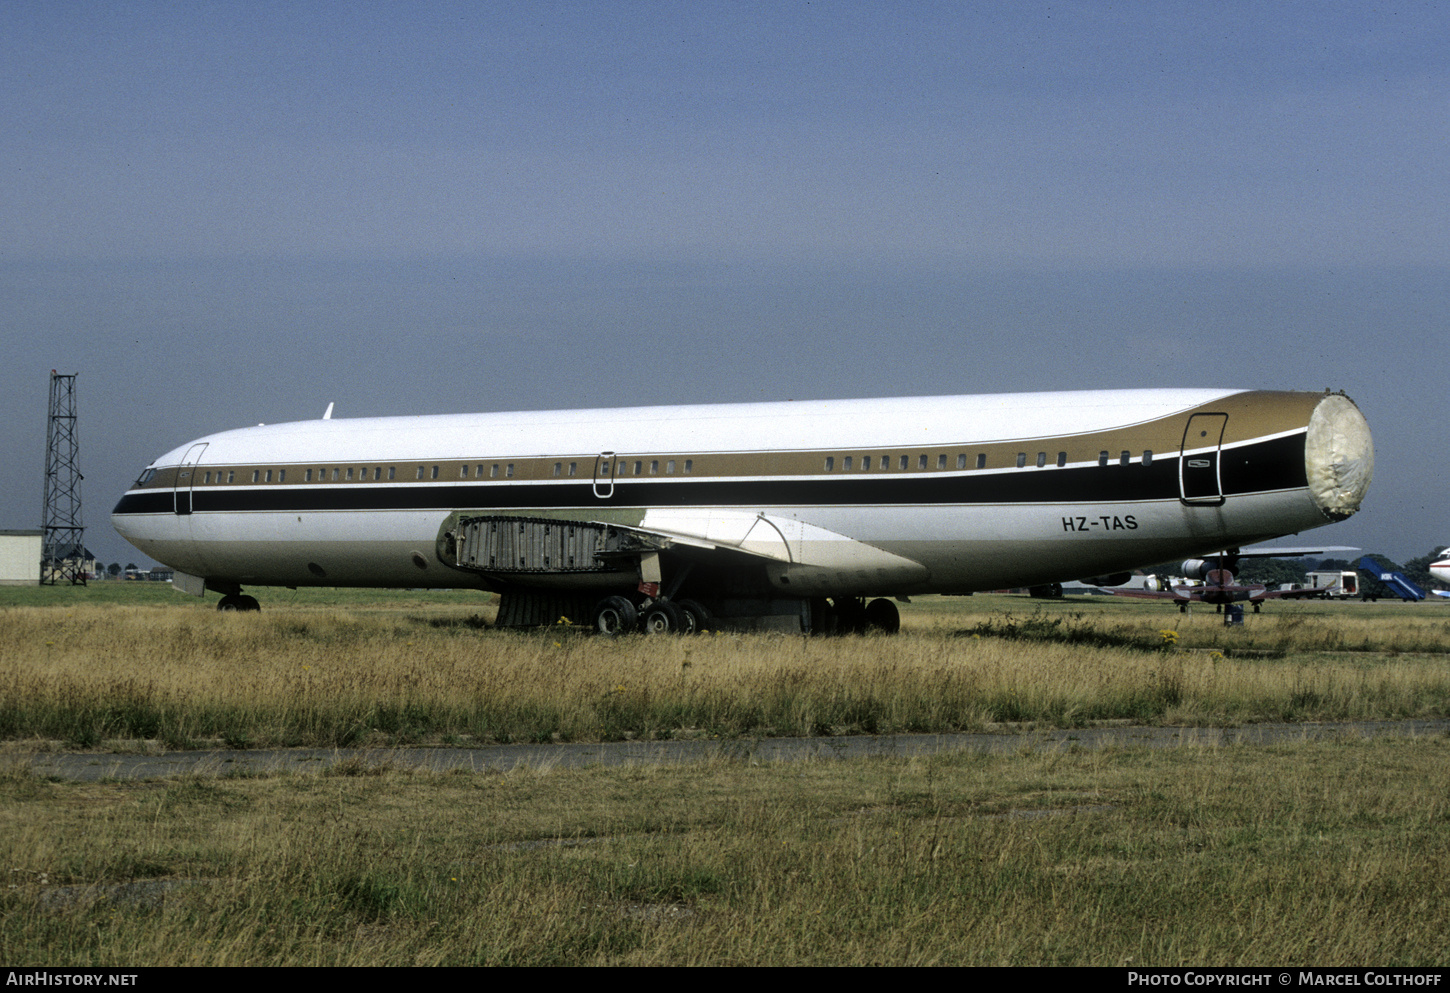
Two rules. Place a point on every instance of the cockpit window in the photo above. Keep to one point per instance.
(146, 477)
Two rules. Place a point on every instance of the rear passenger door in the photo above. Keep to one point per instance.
(1198, 478)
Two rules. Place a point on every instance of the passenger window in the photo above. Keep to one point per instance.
(231, 476)
(865, 462)
(638, 468)
(1021, 459)
(306, 476)
(846, 463)
(509, 471)
(558, 469)
(1125, 458)
(493, 470)
(420, 473)
(830, 463)
(281, 475)
(961, 460)
(921, 461)
(905, 461)
(1102, 458)
(689, 464)
(256, 474)
(669, 467)
(573, 468)
(349, 474)
(1148, 456)
(603, 469)
(982, 460)
(434, 474)
(1061, 459)
(390, 472)
(1041, 459)
(206, 478)
(941, 461)
(377, 474)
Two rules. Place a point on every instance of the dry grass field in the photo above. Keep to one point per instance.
(1315, 853)
(334, 668)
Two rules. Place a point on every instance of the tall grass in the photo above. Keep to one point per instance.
(326, 674)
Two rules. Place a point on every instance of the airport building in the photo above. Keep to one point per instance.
(20, 557)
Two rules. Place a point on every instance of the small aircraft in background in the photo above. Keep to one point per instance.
(1217, 585)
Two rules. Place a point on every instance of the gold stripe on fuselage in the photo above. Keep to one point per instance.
(1251, 416)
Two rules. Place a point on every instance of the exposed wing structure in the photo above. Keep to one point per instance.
(798, 555)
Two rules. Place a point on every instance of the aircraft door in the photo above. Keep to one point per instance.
(604, 469)
(1198, 477)
(185, 478)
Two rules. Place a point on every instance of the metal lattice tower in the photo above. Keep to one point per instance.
(62, 553)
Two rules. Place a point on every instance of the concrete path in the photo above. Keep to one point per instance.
(92, 766)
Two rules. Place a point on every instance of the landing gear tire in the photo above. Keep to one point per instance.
(823, 618)
(695, 616)
(663, 617)
(850, 615)
(614, 615)
(882, 615)
(239, 602)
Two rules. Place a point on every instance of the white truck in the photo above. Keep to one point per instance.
(1336, 585)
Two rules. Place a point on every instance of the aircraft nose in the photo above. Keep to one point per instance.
(1338, 456)
(120, 519)
(138, 501)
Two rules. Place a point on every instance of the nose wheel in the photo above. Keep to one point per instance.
(238, 602)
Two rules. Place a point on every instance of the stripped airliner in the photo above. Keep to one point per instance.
(795, 515)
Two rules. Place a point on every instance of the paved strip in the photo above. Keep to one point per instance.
(92, 766)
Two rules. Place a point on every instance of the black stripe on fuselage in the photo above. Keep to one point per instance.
(1277, 464)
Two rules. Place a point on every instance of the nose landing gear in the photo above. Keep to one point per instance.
(238, 601)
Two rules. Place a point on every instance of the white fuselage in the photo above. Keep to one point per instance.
(1440, 568)
(889, 496)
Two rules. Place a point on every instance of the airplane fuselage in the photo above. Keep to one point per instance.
(1440, 568)
(806, 498)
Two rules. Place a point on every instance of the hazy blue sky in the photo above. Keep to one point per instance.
(220, 214)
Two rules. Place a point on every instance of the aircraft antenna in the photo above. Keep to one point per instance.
(62, 551)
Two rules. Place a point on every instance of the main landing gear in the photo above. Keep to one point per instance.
(617, 615)
(853, 615)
